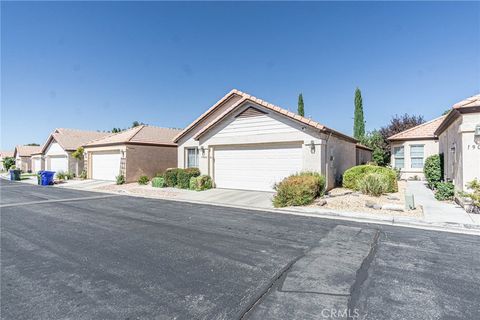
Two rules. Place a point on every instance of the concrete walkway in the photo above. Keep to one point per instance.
(438, 211)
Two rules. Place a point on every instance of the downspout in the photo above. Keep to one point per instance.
(327, 175)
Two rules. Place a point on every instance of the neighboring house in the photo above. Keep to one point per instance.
(23, 154)
(143, 150)
(243, 142)
(3, 155)
(411, 147)
(61, 143)
(459, 140)
(38, 162)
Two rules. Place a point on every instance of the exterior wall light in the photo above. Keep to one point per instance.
(202, 150)
(312, 146)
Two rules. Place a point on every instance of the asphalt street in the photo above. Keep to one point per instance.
(68, 254)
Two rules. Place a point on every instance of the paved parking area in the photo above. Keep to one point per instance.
(79, 256)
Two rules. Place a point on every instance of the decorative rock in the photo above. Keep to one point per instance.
(369, 204)
(392, 198)
(377, 207)
(321, 202)
(392, 207)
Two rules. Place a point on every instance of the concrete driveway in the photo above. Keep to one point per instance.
(82, 255)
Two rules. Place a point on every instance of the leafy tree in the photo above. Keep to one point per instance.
(375, 141)
(33, 144)
(358, 120)
(301, 107)
(78, 154)
(8, 162)
(116, 130)
(136, 124)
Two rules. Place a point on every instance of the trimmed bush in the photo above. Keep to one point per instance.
(171, 177)
(83, 175)
(444, 191)
(184, 176)
(352, 176)
(143, 180)
(201, 183)
(299, 189)
(374, 184)
(158, 182)
(60, 175)
(433, 170)
(473, 185)
(120, 179)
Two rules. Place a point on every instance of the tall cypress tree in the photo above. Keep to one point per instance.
(301, 108)
(358, 120)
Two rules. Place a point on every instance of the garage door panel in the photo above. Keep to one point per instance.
(256, 167)
(58, 164)
(106, 165)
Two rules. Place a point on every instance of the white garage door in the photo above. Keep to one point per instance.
(106, 165)
(37, 164)
(58, 164)
(255, 167)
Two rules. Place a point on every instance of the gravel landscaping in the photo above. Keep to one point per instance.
(343, 199)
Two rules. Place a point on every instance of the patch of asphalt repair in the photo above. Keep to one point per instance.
(302, 278)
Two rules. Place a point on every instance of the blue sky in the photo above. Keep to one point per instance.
(101, 65)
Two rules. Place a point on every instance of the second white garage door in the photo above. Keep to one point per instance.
(256, 167)
(105, 165)
(58, 164)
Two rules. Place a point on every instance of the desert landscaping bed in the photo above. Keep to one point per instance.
(343, 199)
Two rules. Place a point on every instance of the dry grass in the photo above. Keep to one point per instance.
(345, 200)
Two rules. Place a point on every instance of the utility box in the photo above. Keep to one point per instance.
(409, 202)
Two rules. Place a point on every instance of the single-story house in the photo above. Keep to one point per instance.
(244, 142)
(459, 142)
(3, 155)
(363, 154)
(61, 143)
(143, 150)
(411, 147)
(23, 154)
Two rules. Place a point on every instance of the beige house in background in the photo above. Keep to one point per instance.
(244, 142)
(61, 143)
(38, 162)
(411, 147)
(23, 157)
(459, 140)
(143, 150)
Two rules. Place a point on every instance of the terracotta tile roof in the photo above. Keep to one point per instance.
(142, 134)
(247, 97)
(473, 101)
(26, 151)
(423, 131)
(72, 139)
(6, 154)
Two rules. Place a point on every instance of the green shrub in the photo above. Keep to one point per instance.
(374, 184)
(9, 163)
(143, 180)
(171, 177)
(299, 189)
(352, 176)
(60, 175)
(69, 175)
(83, 175)
(120, 179)
(158, 182)
(444, 191)
(184, 176)
(475, 194)
(201, 183)
(433, 170)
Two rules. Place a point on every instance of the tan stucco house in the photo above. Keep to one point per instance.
(411, 147)
(56, 153)
(244, 142)
(38, 162)
(143, 150)
(459, 142)
(23, 157)
(3, 155)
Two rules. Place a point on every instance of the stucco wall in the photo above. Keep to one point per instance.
(407, 172)
(23, 163)
(34, 160)
(148, 160)
(461, 152)
(363, 156)
(341, 156)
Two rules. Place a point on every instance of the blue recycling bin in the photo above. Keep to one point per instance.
(47, 178)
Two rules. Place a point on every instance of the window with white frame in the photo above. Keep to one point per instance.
(399, 156)
(416, 155)
(192, 157)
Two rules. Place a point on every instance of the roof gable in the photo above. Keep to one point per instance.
(26, 151)
(249, 98)
(72, 139)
